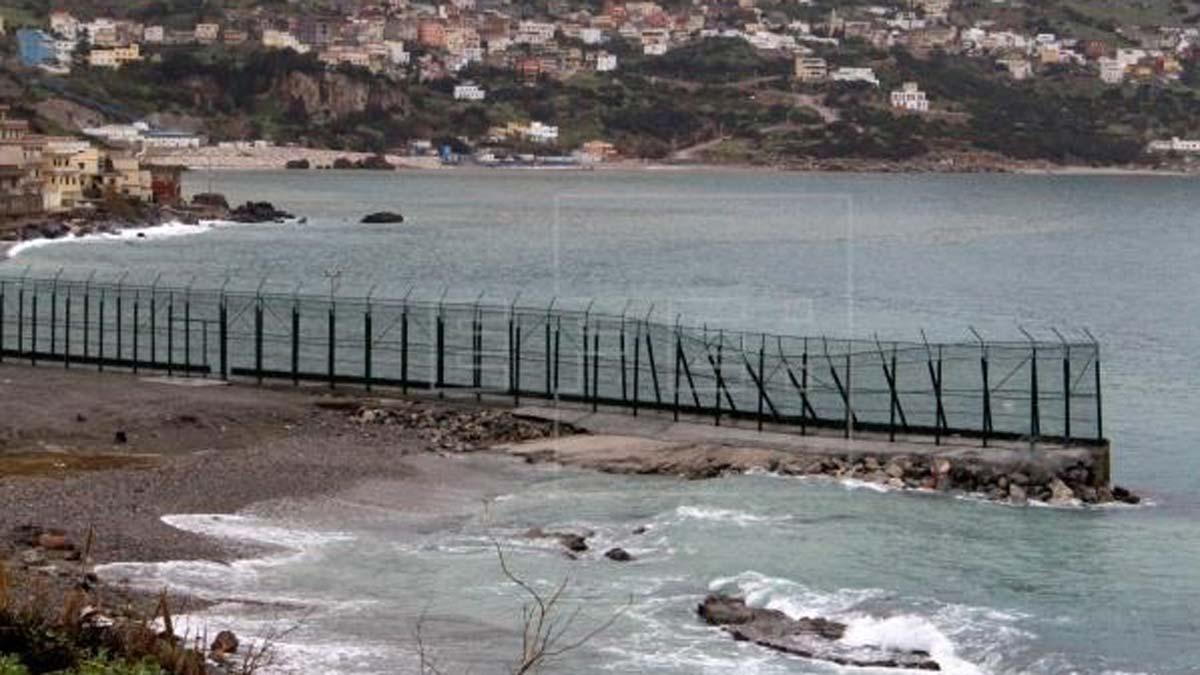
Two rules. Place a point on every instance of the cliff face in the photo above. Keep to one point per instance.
(334, 95)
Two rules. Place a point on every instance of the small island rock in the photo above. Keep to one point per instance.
(383, 217)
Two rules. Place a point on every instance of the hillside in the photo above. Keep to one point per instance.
(715, 99)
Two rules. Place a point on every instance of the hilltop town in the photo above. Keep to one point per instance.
(955, 85)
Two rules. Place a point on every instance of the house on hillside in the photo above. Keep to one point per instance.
(811, 69)
(909, 97)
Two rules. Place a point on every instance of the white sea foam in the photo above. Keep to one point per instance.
(251, 529)
(910, 627)
(725, 515)
(237, 580)
(163, 231)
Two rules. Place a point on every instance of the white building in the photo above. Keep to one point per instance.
(534, 33)
(1175, 145)
(154, 34)
(910, 97)
(278, 39)
(207, 33)
(541, 133)
(469, 91)
(591, 36)
(103, 58)
(170, 140)
(1112, 71)
(396, 53)
(605, 62)
(140, 133)
(846, 74)
(118, 133)
(64, 25)
(655, 41)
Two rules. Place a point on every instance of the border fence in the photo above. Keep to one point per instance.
(988, 390)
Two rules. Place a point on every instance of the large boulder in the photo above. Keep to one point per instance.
(813, 638)
(258, 212)
(383, 217)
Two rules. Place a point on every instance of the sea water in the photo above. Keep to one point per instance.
(985, 588)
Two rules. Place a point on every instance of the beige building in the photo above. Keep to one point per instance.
(811, 69)
(207, 33)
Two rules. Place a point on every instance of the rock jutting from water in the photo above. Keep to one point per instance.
(813, 638)
(382, 217)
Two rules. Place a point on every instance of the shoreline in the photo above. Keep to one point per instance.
(275, 158)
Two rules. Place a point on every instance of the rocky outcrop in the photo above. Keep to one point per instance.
(258, 212)
(812, 638)
(618, 555)
(334, 95)
(572, 541)
(383, 217)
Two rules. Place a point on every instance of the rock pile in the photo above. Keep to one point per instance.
(813, 638)
(459, 430)
(1018, 484)
(258, 212)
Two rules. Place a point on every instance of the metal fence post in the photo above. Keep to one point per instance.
(21, 317)
(762, 370)
(1066, 379)
(678, 370)
(1035, 422)
(624, 377)
(331, 364)
(986, 422)
(404, 347)
(33, 326)
(849, 394)
(119, 317)
(804, 404)
(170, 333)
(66, 328)
(187, 331)
(637, 366)
(440, 340)
(100, 330)
(367, 339)
(547, 351)
(651, 364)
(258, 339)
(557, 342)
(295, 336)
(136, 318)
(584, 346)
(87, 319)
(154, 321)
(1099, 407)
(223, 334)
(517, 367)
(596, 370)
(54, 315)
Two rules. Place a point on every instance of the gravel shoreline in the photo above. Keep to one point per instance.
(115, 452)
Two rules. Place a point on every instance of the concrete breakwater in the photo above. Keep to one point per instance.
(1013, 473)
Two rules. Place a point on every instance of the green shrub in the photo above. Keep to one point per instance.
(11, 665)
